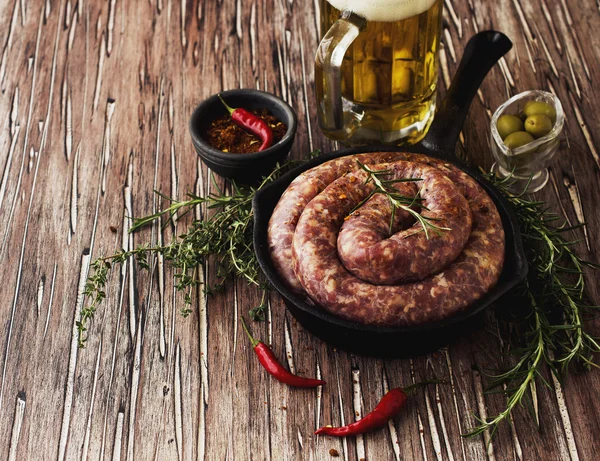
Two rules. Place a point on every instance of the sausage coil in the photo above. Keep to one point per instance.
(345, 260)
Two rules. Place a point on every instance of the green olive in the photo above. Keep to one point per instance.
(539, 108)
(518, 139)
(508, 124)
(538, 125)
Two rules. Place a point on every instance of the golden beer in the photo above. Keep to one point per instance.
(388, 75)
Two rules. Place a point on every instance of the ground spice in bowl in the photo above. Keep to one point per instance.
(225, 135)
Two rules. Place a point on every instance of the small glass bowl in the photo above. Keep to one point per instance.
(526, 166)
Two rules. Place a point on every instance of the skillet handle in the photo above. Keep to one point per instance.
(481, 53)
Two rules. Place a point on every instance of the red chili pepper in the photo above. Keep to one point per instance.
(253, 123)
(276, 369)
(388, 407)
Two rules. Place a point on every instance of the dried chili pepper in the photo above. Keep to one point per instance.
(386, 409)
(252, 123)
(276, 369)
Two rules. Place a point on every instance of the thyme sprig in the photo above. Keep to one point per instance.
(397, 200)
(554, 293)
(225, 235)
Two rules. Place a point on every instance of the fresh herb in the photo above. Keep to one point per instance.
(397, 200)
(94, 291)
(554, 331)
(225, 235)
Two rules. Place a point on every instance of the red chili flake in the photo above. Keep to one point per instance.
(226, 134)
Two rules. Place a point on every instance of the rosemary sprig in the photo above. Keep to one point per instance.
(554, 330)
(397, 200)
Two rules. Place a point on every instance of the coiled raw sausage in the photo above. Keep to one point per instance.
(435, 277)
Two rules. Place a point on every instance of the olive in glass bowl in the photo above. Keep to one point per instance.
(524, 150)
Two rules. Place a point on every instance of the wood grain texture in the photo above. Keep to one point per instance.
(95, 98)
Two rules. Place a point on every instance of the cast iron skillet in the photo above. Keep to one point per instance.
(481, 53)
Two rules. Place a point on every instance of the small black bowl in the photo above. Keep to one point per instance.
(245, 168)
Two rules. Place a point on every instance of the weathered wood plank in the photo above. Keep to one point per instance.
(96, 98)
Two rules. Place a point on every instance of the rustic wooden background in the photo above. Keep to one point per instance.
(95, 99)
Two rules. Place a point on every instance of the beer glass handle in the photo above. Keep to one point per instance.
(481, 53)
(328, 63)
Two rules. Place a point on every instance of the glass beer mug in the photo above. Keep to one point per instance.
(376, 69)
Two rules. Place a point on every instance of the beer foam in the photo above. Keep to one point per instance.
(383, 10)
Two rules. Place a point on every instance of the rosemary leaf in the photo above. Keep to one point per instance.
(385, 187)
(554, 332)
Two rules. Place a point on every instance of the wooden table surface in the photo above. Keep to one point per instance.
(95, 99)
